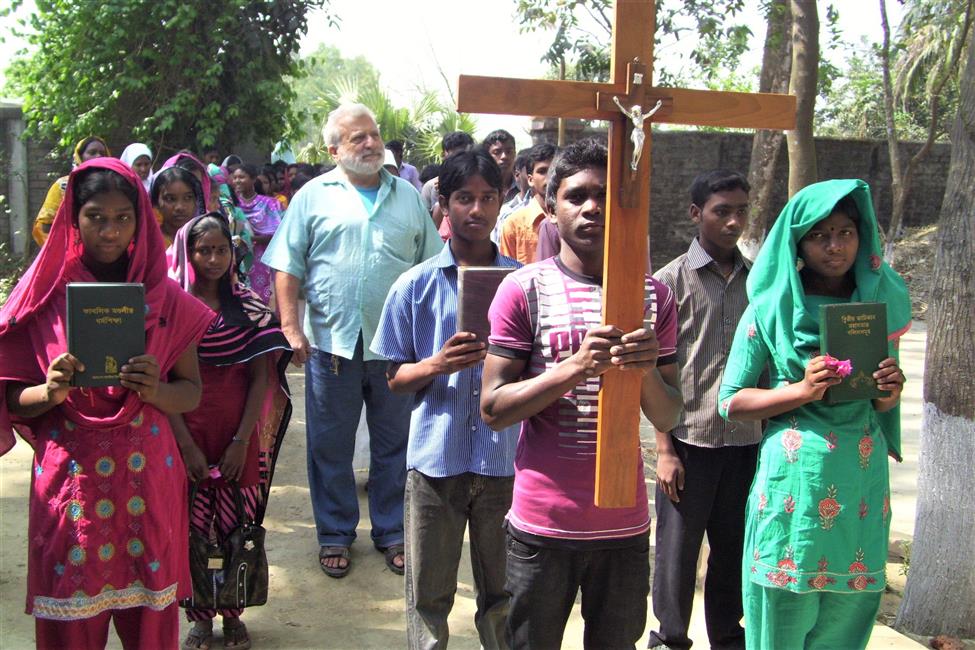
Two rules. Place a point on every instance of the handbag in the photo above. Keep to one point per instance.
(232, 574)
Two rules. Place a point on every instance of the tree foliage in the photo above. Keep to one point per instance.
(855, 107)
(330, 79)
(932, 38)
(581, 42)
(318, 73)
(582, 30)
(167, 72)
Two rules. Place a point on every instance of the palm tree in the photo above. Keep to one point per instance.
(421, 126)
(933, 35)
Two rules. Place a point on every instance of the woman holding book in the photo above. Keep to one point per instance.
(105, 540)
(235, 433)
(818, 514)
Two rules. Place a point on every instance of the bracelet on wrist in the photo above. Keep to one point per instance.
(239, 439)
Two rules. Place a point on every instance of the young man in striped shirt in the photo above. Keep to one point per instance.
(459, 471)
(705, 465)
(546, 355)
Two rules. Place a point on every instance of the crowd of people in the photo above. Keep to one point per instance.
(352, 273)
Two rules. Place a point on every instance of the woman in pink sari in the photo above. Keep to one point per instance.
(264, 215)
(235, 433)
(107, 523)
(192, 164)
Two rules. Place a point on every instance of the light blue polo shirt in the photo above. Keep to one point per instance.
(348, 256)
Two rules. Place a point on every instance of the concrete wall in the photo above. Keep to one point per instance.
(27, 169)
(678, 156)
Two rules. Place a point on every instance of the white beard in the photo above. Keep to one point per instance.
(354, 165)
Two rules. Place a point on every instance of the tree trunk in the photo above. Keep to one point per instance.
(802, 83)
(893, 144)
(767, 145)
(940, 593)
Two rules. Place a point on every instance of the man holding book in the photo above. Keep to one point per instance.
(459, 471)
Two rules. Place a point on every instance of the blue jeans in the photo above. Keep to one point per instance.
(335, 389)
(543, 583)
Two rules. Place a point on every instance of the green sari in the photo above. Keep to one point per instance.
(818, 514)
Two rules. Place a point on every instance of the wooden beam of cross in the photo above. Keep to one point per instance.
(627, 101)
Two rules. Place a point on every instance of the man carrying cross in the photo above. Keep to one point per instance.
(545, 361)
(630, 104)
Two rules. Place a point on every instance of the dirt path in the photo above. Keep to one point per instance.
(306, 609)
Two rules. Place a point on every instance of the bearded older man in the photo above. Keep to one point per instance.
(347, 235)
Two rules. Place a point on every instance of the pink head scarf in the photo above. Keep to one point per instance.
(60, 259)
(32, 321)
(204, 176)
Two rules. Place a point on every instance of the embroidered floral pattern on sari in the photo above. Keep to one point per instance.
(865, 448)
(821, 580)
(829, 508)
(859, 582)
(786, 565)
(791, 443)
(831, 441)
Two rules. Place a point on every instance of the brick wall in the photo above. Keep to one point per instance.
(678, 156)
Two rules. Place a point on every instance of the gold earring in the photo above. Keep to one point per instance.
(800, 264)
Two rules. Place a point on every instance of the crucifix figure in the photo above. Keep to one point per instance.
(628, 194)
(638, 117)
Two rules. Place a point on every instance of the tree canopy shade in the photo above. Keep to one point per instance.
(167, 72)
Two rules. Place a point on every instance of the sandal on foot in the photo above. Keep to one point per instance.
(198, 639)
(235, 637)
(335, 551)
(390, 553)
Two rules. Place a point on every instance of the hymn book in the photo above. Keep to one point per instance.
(856, 331)
(476, 286)
(105, 328)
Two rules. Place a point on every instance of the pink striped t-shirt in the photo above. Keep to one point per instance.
(541, 313)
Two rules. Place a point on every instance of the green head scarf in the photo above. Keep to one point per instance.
(775, 290)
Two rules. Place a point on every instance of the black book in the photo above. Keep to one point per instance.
(106, 327)
(476, 286)
(854, 331)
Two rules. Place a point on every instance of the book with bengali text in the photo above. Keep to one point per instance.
(105, 328)
(476, 286)
(854, 331)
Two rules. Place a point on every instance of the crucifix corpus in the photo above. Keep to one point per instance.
(628, 102)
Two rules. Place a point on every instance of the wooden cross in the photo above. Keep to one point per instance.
(628, 197)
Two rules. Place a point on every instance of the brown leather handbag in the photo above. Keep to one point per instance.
(231, 575)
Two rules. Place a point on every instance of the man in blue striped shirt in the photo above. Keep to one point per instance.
(459, 470)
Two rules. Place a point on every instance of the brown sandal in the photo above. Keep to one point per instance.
(390, 553)
(198, 638)
(335, 551)
(235, 637)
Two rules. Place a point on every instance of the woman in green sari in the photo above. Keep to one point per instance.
(818, 513)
